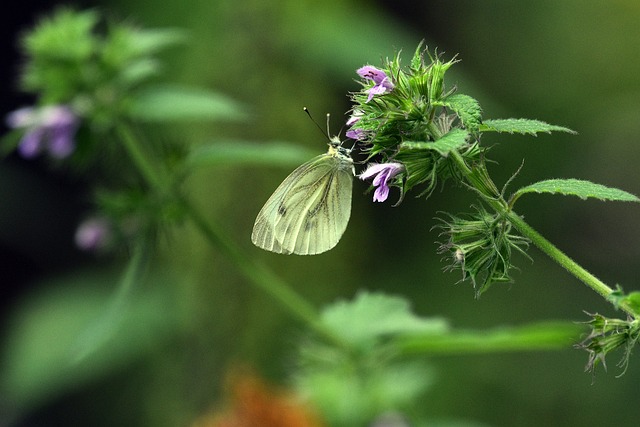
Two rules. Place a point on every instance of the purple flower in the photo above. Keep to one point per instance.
(382, 82)
(383, 172)
(93, 234)
(51, 128)
(357, 134)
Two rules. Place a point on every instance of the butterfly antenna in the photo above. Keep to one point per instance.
(325, 133)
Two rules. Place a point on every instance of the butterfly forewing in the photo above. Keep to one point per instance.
(309, 211)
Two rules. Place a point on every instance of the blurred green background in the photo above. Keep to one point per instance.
(572, 63)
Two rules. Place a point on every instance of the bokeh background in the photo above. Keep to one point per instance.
(573, 63)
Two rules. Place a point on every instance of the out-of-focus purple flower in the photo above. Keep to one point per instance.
(93, 234)
(383, 172)
(383, 83)
(51, 128)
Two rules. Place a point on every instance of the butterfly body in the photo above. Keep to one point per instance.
(308, 213)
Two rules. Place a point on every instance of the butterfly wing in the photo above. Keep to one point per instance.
(309, 211)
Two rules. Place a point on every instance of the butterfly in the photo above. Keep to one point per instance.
(308, 213)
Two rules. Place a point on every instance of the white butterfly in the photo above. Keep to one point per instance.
(309, 211)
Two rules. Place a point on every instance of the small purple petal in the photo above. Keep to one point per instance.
(377, 90)
(355, 117)
(372, 169)
(369, 72)
(21, 118)
(31, 144)
(357, 134)
(61, 144)
(52, 128)
(93, 234)
(57, 116)
(382, 82)
(382, 173)
(381, 194)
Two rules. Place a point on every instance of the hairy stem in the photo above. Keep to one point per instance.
(500, 206)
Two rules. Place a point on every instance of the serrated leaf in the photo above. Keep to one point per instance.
(577, 187)
(467, 109)
(243, 152)
(181, 103)
(633, 301)
(522, 126)
(453, 140)
(371, 316)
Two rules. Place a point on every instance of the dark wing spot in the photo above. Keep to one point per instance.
(282, 211)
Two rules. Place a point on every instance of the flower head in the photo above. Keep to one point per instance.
(383, 83)
(51, 128)
(383, 172)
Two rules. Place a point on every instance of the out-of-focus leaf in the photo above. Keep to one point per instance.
(243, 152)
(371, 316)
(181, 103)
(349, 397)
(59, 339)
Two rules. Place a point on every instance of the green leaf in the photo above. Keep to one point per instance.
(146, 42)
(181, 103)
(523, 126)
(577, 187)
(453, 140)
(371, 316)
(536, 336)
(632, 300)
(68, 335)
(66, 35)
(416, 60)
(243, 152)
(467, 109)
(353, 395)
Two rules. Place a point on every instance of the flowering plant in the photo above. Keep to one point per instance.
(425, 133)
(362, 361)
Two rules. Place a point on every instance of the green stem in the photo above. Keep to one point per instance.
(564, 260)
(140, 159)
(536, 238)
(257, 274)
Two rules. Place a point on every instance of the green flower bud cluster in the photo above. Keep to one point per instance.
(481, 246)
(69, 61)
(410, 116)
(608, 335)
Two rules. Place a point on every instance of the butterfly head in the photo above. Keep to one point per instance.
(336, 148)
